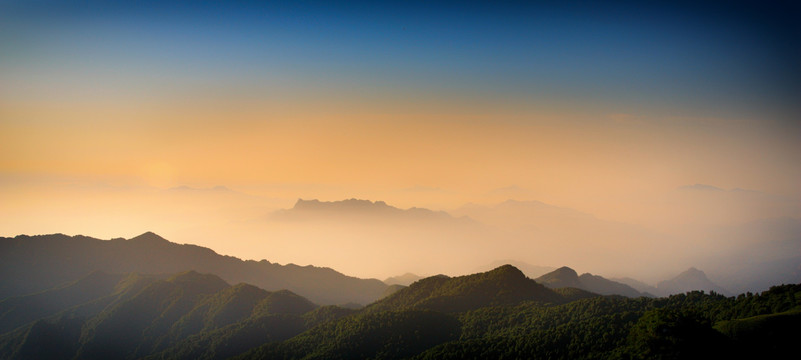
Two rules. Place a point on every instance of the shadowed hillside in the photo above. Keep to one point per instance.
(495, 314)
(502, 286)
(31, 264)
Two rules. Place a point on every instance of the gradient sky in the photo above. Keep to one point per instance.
(602, 108)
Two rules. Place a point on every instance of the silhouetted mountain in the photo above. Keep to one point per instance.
(502, 286)
(566, 277)
(691, 279)
(334, 229)
(30, 264)
(405, 279)
(532, 271)
(560, 278)
(603, 286)
(356, 209)
(496, 314)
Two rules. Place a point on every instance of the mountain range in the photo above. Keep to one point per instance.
(691, 279)
(532, 271)
(405, 279)
(36, 263)
(495, 314)
(135, 316)
(31, 264)
(355, 209)
(566, 277)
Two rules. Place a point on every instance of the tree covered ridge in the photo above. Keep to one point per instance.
(496, 314)
(501, 286)
(677, 327)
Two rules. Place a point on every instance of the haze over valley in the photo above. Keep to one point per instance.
(565, 180)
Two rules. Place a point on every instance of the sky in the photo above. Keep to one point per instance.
(607, 109)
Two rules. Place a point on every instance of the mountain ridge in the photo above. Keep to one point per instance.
(357, 208)
(566, 277)
(501, 286)
(41, 262)
(689, 280)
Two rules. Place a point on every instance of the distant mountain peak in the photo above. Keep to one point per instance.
(689, 280)
(503, 285)
(566, 270)
(352, 203)
(560, 278)
(565, 273)
(405, 279)
(507, 271)
(357, 208)
(693, 271)
(565, 277)
(148, 237)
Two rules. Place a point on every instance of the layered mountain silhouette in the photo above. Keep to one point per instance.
(504, 285)
(356, 209)
(495, 314)
(405, 279)
(638, 285)
(20, 310)
(566, 277)
(141, 316)
(532, 271)
(689, 280)
(357, 234)
(36, 263)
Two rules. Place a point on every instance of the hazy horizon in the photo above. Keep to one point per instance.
(647, 138)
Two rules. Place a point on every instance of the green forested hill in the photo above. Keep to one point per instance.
(17, 311)
(144, 316)
(501, 286)
(496, 314)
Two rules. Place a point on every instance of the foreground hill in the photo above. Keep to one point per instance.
(496, 314)
(566, 277)
(505, 285)
(142, 316)
(17, 311)
(30, 264)
(678, 327)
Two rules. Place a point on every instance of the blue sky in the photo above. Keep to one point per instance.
(708, 59)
